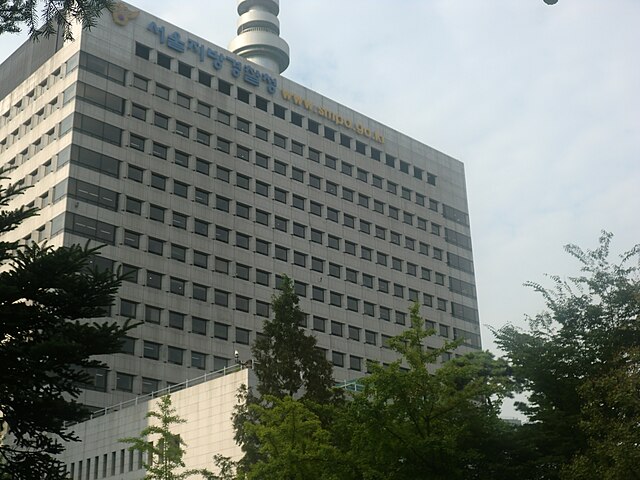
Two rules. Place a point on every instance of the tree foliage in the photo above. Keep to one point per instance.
(286, 358)
(415, 423)
(46, 297)
(44, 18)
(578, 363)
(162, 448)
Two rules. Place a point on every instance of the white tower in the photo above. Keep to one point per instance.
(258, 37)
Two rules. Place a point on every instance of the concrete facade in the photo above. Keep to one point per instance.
(207, 177)
(206, 408)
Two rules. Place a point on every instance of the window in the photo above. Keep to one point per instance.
(262, 133)
(221, 330)
(139, 112)
(369, 309)
(353, 304)
(394, 212)
(175, 355)
(243, 271)
(242, 125)
(366, 253)
(262, 160)
(162, 91)
(299, 230)
(347, 194)
(242, 303)
(355, 363)
(280, 195)
(280, 167)
(178, 252)
(128, 308)
(297, 148)
(224, 87)
(347, 168)
(314, 155)
(223, 117)
(330, 162)
(281, 224)
(279, 111)
(335, 299)
(313, 126)
(398, 290)
(367, 280)
(182, 129)
(221, 265)
(349, 247)
(263, 277)
(331, 188)
(200, 259)
(183, 100)
(222, 203)
(158, 181)
(131, 239)
(242, 210)
(164, 60)
(262, 217)
(336, 328)
(176, 320)
(136, 142)
(317, 294)
(203, 109)
(297, 174)
(262, 309)
(316, 236)
(315, 208)
(401, 318)
(200, 227)
(176, 285)
(133, 205)
(124, 382)
(363, 200)
(319, 324)
(329, 133)
(199, 325)
(200, 292)
(383, 285)
(223, 145)
(333, 242)
(155, 246)
(130, 273)
(160, 120)
(180, 189)
(152, 314)
(279, 140)
(298, 202)
(385, 313)
(296, 119)
(333, 214)
(140, 83)
(243, 336)
(348, 220)
(370, 337)
(281, 253)
(159, 151)
(179, 221)
(221, 298)
(149, 385)
(222, 234)
(198, 360)
(201, 196)
(262, 247)
(337, 358)
(142, 51)
(242, 240)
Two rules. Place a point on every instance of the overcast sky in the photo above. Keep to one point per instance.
(540, 102)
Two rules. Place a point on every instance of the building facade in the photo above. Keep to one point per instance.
(207, 177)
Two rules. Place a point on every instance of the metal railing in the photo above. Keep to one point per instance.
(166, 390)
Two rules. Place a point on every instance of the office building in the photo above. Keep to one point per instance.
(208, 176)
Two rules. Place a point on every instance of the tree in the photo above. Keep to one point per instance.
(46, 297)
(293, 443)
(412, 423)
(578, 362)
(286, 358)
(54, 15)
(164, 455)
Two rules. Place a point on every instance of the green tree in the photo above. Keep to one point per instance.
(293, 443)
(48, 16)
(414, 423)
(286, 358)
(577, 364)
(46, 343)
(163, 454)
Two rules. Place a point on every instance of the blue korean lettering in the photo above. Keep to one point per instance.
(236, 67)
(272, 83)
(152, 27)
(218, 59)
(196, 48)
(175, 43)
(251, 75)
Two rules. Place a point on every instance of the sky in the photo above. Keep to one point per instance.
(539, 102)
